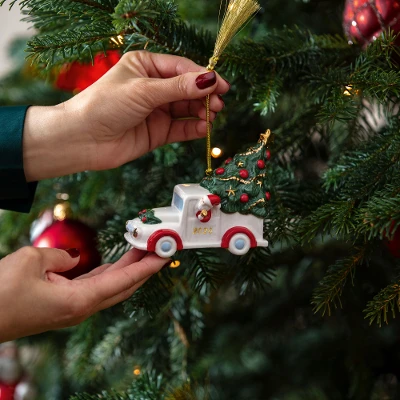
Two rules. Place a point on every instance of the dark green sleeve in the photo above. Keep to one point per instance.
(15, 193)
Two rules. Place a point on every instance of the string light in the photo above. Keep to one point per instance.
(175, 264)
(61, 211)
(350, 91)
(136, 371)
(216, 152)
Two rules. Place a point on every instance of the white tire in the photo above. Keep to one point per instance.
(239, 244)
(166, 247)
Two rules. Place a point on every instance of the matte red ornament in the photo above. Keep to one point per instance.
(220, 171)
(268, 195)
(244, 198)
(244, 173)
(144, 219)
(77, 76)
(268, 154)
(365, 20)
(228, 160)
(7, 391)
(71, 233)
(261, 164)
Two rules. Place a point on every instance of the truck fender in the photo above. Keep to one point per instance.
(237, 229)
(157, 235)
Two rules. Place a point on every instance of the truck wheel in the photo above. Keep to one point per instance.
(166, 247)
(239, 244)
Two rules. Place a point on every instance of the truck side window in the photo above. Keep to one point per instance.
(177, 201)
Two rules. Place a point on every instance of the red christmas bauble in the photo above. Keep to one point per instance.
(228, 160)
(77, 76)
(220, 171)
(7, 391)
(244, 173)
(71, 233)
(365, 20)
(394, 244)
(268, 154)
(268, 195)
(244, 198)
(261, 164)
(144, 219)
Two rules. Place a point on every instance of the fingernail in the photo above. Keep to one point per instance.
(206, 80)
(227, 82)
(73, 252)
(223, 103)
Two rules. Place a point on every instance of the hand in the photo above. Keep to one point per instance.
(135, 107)
(34, 298)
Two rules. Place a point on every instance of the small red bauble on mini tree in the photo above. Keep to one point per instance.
(268, 195)
(66, 233)
(77, 76)
(244, 174)
(228, 160)
(261, 164)
(268, 154)
(365, 20)
(244, 198)
(220, 171)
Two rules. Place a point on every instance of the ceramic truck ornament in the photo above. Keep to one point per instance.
(227, 210)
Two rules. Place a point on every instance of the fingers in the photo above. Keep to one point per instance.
(190, 86)
(195, 108)
(54, 260)
(112, 283)
(161, 65)
(121, 296)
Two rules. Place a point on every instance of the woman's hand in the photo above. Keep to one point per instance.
(144, 101)
(35, 298)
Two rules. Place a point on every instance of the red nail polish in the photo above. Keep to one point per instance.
(220, 97)
(227, 82)
(206, 80)
(73, 252)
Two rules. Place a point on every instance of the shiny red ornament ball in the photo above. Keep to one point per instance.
(77, 76)
(71, 233)
(7, 391)
(228, 160)
(220, 171)
(144, 219)
(261, 164)
(365, 20)
(244, 174)
(268, 154)
(268, 195)
(244, 198)
(394, 244)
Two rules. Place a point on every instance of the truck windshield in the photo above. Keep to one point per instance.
(177, 201)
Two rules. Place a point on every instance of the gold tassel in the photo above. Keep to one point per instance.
(236, 15)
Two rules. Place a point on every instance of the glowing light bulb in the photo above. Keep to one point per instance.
(216, 152)
(175, 264)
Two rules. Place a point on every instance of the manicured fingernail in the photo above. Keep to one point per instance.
(220, 97)
(73, 252)
(227, 83)
(206, 80)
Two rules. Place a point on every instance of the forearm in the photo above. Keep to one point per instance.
(53, 144)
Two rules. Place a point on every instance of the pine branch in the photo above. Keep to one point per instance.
(384, 303)
(330, 288)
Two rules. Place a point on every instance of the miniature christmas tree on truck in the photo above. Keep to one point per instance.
(225, 210)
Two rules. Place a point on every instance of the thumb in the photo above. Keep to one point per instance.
(56, 260)
(189, 86)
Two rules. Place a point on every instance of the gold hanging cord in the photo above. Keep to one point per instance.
(236, 15)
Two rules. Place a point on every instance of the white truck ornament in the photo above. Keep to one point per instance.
(194, 220)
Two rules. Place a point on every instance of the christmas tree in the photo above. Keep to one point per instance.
(291, 321)
(241, 181)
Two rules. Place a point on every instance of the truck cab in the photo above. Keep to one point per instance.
(180, 226)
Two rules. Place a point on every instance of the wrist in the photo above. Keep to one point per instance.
(52, 144)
